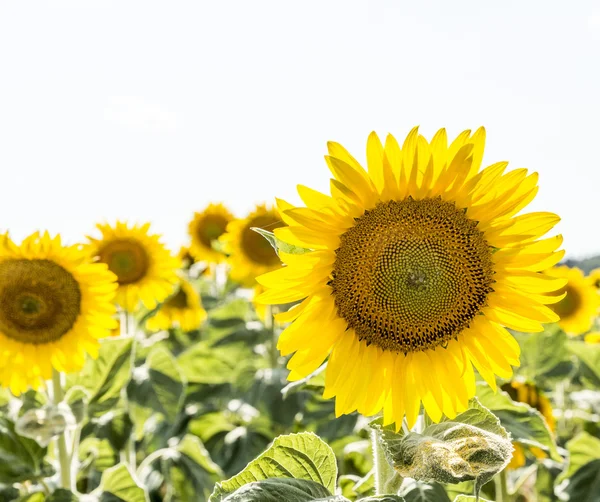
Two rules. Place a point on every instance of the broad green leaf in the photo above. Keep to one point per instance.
(33, 497)
(118, 484)
(282, 489)
(525, 424)
(236, 309)
(588, 355)
(544, 482)
(278, 245)
(97, 454)
(77, 398)
(104, 377)
(417, 491)
(204, 364)
(158, 385)
(582, 449)
(62, 495)
(115, 426)
(583, 485)
(469, 498)
(473, 446)
(541, 352)
(21, 459)
(300, 456)
(355, 487)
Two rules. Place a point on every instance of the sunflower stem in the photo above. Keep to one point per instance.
(63, 453)
(501, 482)
(270, 326)
(387, 480)
(131, 331)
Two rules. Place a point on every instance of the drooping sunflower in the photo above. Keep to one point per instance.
(145, 269)
(182, 310)
(529, 394)
(579, 307)
(250, 254)
(415, 268)
(205, 229)
(54, 306)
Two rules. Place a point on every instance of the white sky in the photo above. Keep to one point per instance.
(149, 110)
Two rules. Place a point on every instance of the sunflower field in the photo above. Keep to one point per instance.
(413, 335)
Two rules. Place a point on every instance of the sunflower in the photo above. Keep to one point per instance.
(205, 229)
(529, 394)
(144, 267)
(54, 306)
(250, 254)
(186, 258)
(415, 269)
(181, 310)
(579, 307)
(594, 278)
(593, 337)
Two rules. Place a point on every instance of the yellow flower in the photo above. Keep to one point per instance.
(592, 337)
(145, 269)
(54, 306)
(415, 269)
(250, 254)
(182, 310)
(205, 229)
(531, 395)
(579, 307)
(186, 258)
(594, 278)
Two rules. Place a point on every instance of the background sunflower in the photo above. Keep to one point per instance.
(145, 269)
(205, 229)
(54, 306)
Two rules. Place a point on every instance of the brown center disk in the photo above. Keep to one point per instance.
(178, 301)
(126, 258)
(255, 246)
(210, 228)
(39, 301)
(412, 274)
(569, 305)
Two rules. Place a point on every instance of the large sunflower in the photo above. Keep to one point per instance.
(54, 306)
(145, 269)
(182, 310)
(250, 254)
(415, 269)
(579, 307)
(205, 229)
(529, 394)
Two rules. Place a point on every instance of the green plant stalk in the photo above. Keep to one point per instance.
(501, 482)
(63, 454)
(131, 330)
(270, 325)
(387, 480)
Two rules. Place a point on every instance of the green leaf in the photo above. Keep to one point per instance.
(115, 426)
(541, 352)
(97, 454)
(62, 495)
(118, 484)
(584, 485)
(300, 456)
(355, 487)
(469, 498)
(383, 498)
(279, 245)
(282, 489)
(204, 364)
(544, 483)
(417, 491)
(158, 385)
(32, 497)
(104, 377)
(77, 398)
(21, 459)
(526, 424)
(473, 446)
(582, 449)
(8, 493)
(588, 355)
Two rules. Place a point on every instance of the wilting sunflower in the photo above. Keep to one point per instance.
(579, 307)
(54, 306)
(181, 310)
(594, 278)
(144, 267)
(529, 394)
(415, 269)
(250, 254)
(205, 229)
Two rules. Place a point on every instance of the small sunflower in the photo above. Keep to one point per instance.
(182, 310)
(205, 229)
(415, 269)
(579, 306)
(250, 254)
(529, 394)
(54, 306)
(186, 258)
(594, 278)
(145, 269)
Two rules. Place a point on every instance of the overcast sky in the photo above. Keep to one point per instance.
(147, 111)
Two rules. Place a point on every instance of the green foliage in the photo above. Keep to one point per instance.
(118, 485)
(418, 491)
(588, 356)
